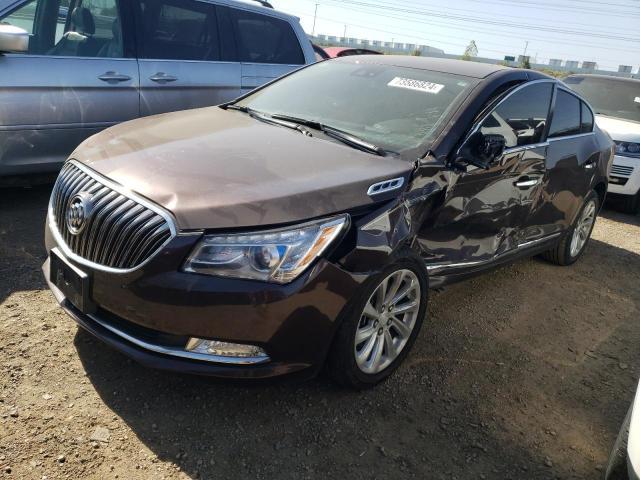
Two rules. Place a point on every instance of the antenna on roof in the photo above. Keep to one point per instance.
(264, 3)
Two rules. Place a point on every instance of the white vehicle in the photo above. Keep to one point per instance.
(624, 461)
(616, 102)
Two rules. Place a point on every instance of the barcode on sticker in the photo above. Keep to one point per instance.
(419, 85)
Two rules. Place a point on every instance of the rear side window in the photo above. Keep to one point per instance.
(587, 119)
(265, 39)
(179, 30)
(566, 116)
(522, 117)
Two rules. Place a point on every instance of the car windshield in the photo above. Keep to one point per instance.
(609, 96)
(392, 107)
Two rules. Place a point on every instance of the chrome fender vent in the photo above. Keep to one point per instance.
(385, 186)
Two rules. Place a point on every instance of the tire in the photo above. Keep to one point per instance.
(617, 466)
(564, 253)
(348, 363)
(630, 204)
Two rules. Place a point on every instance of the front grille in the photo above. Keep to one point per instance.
(621, 170)
(118, 231)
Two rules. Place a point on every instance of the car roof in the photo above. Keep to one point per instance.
(258, 8)
(336, 51)
(445, 65)
(606, 77)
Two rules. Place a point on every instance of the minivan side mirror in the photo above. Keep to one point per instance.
(13, 39)
(481, 149)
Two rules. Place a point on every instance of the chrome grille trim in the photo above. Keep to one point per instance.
(124, 231)
(621, 170)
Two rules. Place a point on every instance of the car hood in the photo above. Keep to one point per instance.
(214, 168)
(619, 129)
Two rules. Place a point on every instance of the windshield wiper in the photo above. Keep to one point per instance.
(265, 117)
(345, 137)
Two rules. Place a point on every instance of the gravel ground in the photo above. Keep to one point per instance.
(525, 372)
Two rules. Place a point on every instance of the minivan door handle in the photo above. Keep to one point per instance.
(526, 182)
(114, 77)
(162, 77)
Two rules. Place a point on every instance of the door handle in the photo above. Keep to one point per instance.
(526, 182)
(162, 77)
(114, 77)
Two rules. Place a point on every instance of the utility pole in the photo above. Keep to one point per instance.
(315, 14)
(344, 35)
(526, 45)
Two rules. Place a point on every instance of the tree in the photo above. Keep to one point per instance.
(525, 63)
(471, 51)
(417, 53)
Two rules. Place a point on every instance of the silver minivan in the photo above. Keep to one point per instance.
(70, 68)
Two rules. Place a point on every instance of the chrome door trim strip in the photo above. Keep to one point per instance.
(569, 137)
(531, 243)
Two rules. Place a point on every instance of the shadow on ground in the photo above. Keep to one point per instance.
(522, 373)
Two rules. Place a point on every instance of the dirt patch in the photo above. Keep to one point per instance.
(525, 372)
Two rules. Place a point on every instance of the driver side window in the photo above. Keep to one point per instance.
(522, 117)
(72, 28)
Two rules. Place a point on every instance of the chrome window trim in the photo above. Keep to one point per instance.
(569, 137)
(523, 148)
(437, 268)
(53, 226)
(478, 124)
(176, 352)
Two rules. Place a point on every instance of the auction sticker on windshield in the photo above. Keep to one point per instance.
(419, 85)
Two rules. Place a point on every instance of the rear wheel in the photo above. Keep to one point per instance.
(380, 326)
(573, 244)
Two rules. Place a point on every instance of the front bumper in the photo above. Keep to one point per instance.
(149, 314)
(624, 178)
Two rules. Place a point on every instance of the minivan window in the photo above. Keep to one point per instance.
(612, 97)
(522, 117)
(393, 107)
(265, 39)
(587, 118)
(80, 28)
(566, 115)
(178, 30)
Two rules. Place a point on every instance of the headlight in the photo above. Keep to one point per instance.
(275, 256)
(628, 149)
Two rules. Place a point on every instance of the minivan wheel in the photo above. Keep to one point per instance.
(573, 244)
(379, 326)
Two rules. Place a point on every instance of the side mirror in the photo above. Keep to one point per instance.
(13, 39)
(481, 149)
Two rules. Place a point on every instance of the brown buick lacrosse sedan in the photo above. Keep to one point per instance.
(302, 225)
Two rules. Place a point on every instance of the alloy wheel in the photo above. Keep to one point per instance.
(387, 321)
(583, 228)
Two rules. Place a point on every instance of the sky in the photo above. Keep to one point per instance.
(585, 30)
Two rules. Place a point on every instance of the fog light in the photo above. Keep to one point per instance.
(224, 349)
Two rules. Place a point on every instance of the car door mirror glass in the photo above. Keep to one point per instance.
(13, 39)
(481, 149)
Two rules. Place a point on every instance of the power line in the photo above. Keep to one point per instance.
(491, 22)
(439, 41)
(422, 38)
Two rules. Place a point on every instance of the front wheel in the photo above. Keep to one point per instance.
(380, 325)
(573, 244)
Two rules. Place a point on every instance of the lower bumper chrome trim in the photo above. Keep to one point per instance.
(176, 352)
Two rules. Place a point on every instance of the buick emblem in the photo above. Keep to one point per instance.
(78, 212)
